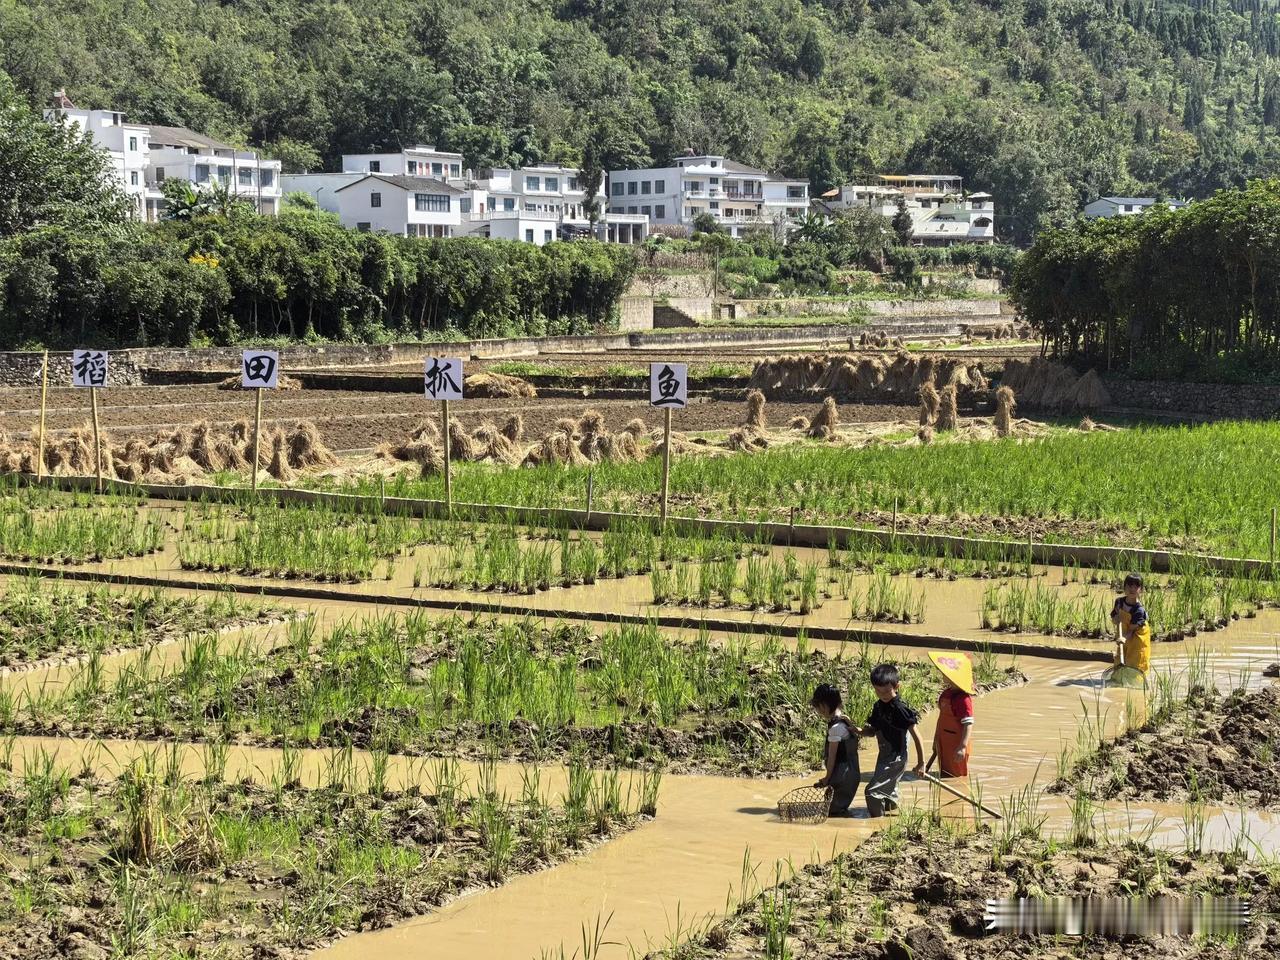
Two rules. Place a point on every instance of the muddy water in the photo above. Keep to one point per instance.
(686, 862)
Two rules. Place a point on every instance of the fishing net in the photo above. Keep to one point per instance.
(805, 805)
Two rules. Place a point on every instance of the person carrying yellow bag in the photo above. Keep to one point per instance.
(1135, 632)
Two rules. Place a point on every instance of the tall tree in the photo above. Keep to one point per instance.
(590, 179)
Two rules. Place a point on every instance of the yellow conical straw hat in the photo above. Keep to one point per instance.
(956, 667)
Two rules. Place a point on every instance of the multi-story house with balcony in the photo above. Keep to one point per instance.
(942, 214)
(542, 203)
(144, 156)
(740, 198)
(419, 161)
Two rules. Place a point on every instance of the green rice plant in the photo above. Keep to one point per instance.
(809, 589)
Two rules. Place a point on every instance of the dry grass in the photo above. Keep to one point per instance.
(1006, 406)
(824, 423)
(496, 386)
(930, 402)
(948, 415)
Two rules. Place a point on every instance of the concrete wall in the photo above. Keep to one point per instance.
(674, 285)
(635, 313)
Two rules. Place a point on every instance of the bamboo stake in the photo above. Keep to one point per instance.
(97, 443)
(448, 459)
(963, 796)
(666, 462)
(257, 437)
(44, 404)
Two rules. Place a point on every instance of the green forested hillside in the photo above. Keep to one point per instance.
(1047, 103)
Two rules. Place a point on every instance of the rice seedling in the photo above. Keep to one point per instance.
(56, 534)
(1068, 477)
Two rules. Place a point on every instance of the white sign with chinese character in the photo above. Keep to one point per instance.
(442, 378)
(88, 368)
(260, 368)
(669, 385)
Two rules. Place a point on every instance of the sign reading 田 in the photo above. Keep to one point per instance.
(260, 368)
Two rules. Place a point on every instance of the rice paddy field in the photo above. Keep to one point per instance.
(237, 727)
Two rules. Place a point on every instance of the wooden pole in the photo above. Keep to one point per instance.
(963, 796)
(97, 443)
(257, 437)
(448, 459)
(44, 404)
(666, 462)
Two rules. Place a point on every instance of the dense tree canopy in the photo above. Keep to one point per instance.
(1045, 103)
(1193, 293)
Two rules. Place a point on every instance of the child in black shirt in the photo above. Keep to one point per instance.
(891, 720)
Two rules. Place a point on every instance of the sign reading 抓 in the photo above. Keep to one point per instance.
(260, 368)
(88, 368)
(442, 378)
(669, 385)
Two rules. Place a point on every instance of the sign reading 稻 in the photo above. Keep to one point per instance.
(88, 368)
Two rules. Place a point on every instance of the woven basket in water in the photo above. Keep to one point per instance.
(805, 805)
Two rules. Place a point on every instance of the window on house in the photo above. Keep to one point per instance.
(694, 186)
(631, 188)
(795, 193)
(615, 210)
(437, 169)
(159, 174)
(224, 174)
(115, 119)
(660, 211)
(464, 205)
(266, 177)
(715, 204)
(645, 210)
(632, 210)
(413, 167)
(363, 227)
(508, 203)
(644, 186)
(553, 183)
(455, 169)
(573, 184)
(375, 199)
(246, 176)
(618, 188)
(659, 186)
(431, 202)
(375, 166)
(493, 203)
(715, 181)
(715, 163)
(202, 173)
(133, 177)
(133, 143)
(528, 236)
(533, 183)
(546, 236)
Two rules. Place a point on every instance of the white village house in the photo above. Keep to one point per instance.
(145, 155)
(535, 204)
(1127, 206)
(942, 214)
(741, 198)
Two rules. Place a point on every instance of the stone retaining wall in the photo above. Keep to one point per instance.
(1240, 401)
(875, 308)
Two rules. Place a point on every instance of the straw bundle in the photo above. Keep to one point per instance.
(929, 403)
(824, 423)
(280, 467)
(1087, 425)
(755, 411)
(925, 434)
(497, 386)
(747, 439)
(1005, 406)
(493, 445)
(306, 449)
(1090, 393)
(798, 423)
(636, 427)
(948, 416)
(513, 429)
(285, 382)
(460, 445)
(204, 448)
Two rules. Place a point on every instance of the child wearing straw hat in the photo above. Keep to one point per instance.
(952, 737)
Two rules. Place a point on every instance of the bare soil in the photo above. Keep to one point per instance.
(1224, 750)
(907, 894)
(356, 420)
